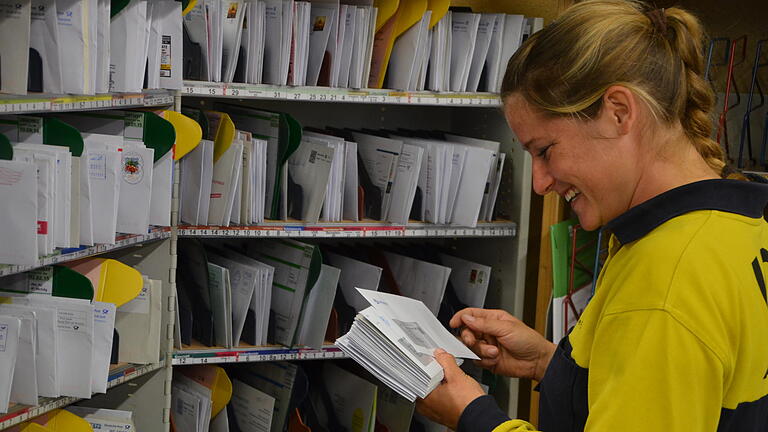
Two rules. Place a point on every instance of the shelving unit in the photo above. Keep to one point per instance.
(501, 244)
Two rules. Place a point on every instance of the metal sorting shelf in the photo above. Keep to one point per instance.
(338, 95)
(121, 241)
(37, 102)
(118, 375)
(254, 354)
(351, 230)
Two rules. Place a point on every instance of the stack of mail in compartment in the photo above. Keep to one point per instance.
(395, 338)
(89, 46)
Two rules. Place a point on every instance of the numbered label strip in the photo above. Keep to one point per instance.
(351, 231)
(58, 103)
(71, 255)
(327, 94)
(255, 355)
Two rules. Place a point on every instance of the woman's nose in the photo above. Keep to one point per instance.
(542, 179)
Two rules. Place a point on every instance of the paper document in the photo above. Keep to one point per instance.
(395, 339)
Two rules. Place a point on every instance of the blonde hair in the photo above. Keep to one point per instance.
(565, 68)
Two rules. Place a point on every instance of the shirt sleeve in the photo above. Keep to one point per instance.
(649, 372)
(483, 415)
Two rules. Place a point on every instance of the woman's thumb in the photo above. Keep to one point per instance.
(448, 362)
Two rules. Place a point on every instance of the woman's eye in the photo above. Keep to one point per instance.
(543, 151)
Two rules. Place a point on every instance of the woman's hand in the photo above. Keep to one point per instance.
(504, 344)
(446, 402)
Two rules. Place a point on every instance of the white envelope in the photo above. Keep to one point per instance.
(135, 189)
(262, 292)
(18, 185)
(419, 279)
(74, 208)
(9, 343)
(323, 33)
(220, 294)
(226, 172)
(44, 39)
(44, 164)
(309, 167)
(469, 196)
(63, 182)
(493, 63)
(192, 170)
(254, 409)
(440, 54)
(207, 182)
(482, 42)
(457, 169)
(277, 380)
(494, 147)
(215, 37)
(189, 406)
(103, 330)
(76, 44)
(351, 184)
(464, 33)
(291, 260)
(128, 45)
(197, 29)
(14, 45)
(277, 48)
(232, 14)
(406, 181)
(360, 47)
(243, 279)
(138, 325)
(75, 325)
(162, 191)
(252, 42)
(512, 37)
(405, 53)
(46, 347)
(104, 174)
(103, 9)
(354, 397)
(165, 45)
(104, 420)
(24, 388)
(355, 274)
(317, 308)
(347, 29)
(380, 155)
(86, 210)
(470, 280)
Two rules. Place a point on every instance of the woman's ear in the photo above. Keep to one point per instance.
(619, 109)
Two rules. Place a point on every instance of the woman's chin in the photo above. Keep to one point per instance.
(587, 221)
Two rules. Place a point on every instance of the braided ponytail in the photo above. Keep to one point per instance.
(686, 36)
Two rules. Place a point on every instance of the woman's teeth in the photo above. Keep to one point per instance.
(571, 194)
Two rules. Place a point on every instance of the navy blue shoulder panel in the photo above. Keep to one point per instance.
(747, 417)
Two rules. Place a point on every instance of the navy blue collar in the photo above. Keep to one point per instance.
(732, 196)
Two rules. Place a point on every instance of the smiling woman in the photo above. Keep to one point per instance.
(610, 102)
